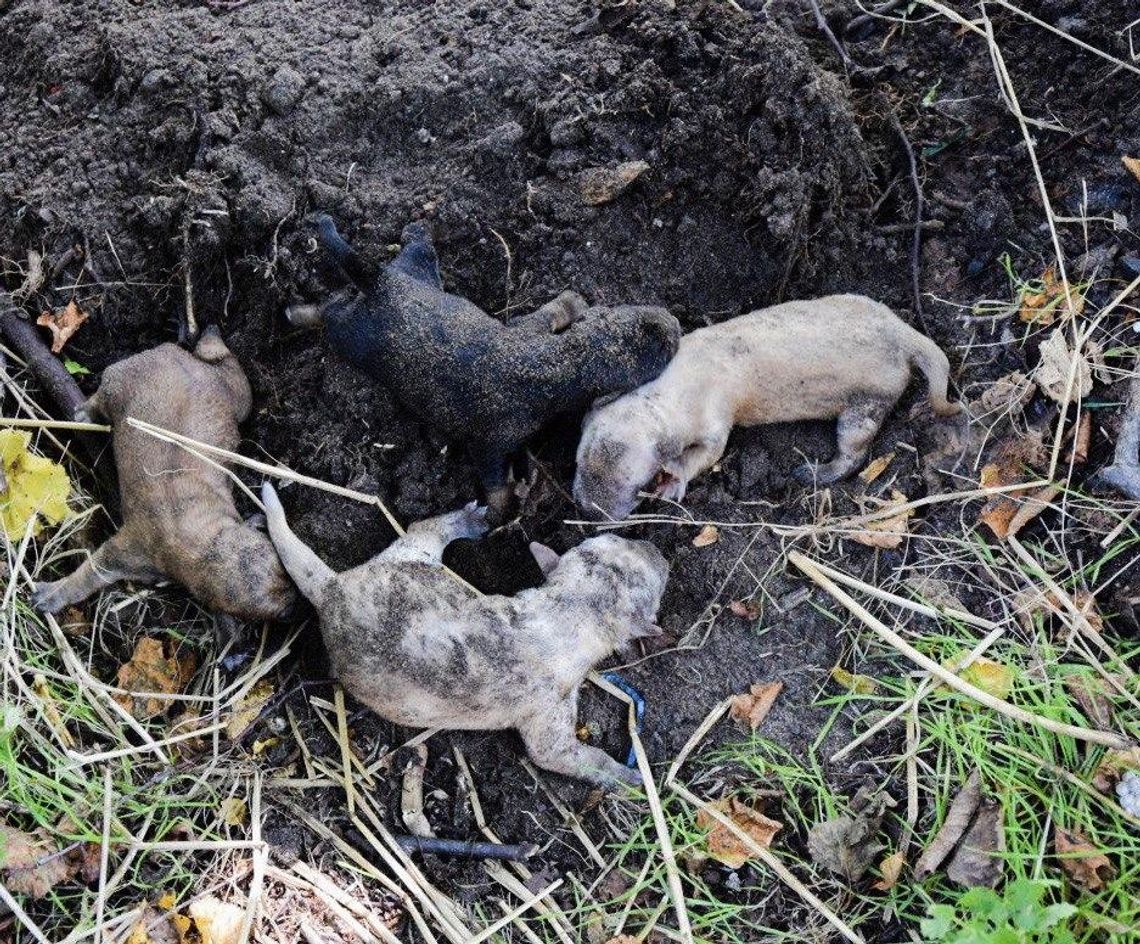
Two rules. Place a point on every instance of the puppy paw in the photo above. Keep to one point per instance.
(47, 597)
(472, 521)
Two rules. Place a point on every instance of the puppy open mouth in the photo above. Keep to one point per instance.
(660, 482)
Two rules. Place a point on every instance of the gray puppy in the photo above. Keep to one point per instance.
(179, 516)
(424, 650)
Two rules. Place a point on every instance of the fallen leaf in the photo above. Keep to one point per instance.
(1007, 395)
(600, 185)
(1006, 514)
(248, 709)
(1079, 454)
(876, 467)
(1133, 165)
(1085, 864)
(890, 869)
(624, 939)
(1013, 462)
(152, 669)
(723, 844)
(887, 532)
(752, 707)
(63, 323)
(1052, 371)
(958, 817)
(977, 861)
(32, 864)
(991, 677)
(217, 921)
(934, 591)
(1043, 307)
(847, 845)
(1101, 371)
(234, 811)
(747, 609)
(706, 536)
(1112, 767)
(31, 486)
(859, 684)
(1089, 694)
(260, 747)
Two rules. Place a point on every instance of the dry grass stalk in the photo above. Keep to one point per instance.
(569, 818)
(531, 901)
(345, 749)
(260, 861)
(1106, 738)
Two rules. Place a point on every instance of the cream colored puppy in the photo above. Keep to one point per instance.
(843, 356)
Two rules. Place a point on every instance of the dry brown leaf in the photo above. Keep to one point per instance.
(747, 609)
(1133, 165)
(876, 467)
(62, 323)
(600, 185)
(752, 707)
(848, 844)
(1089, 694)
(1085, 864)
(958, 817)
(217, 921)
(977, 861)
(723, 844)
(706, 536)
(887, 532)
(1006, 395)
(152, 669)
(1052, 370)
(1079, 454)
(1112, 767)
(31, 863)
(248, 709)
(1009, 512)
(890, 869)
(1049, 304)
(624, 939)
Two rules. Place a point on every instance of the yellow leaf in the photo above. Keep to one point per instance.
(890, 868)
(31, 486)
(724, 845)
(859, 684)
(234, 811)
(1043, 307)
(706, 536)
(991, 677)
(260, 747)
(248, 709)
(876, 467)
(887, 532)
(217, 921)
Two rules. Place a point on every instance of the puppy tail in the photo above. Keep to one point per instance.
(930, 359)
(308, 571)
(344, 255)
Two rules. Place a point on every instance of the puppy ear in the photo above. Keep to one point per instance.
(546, 558)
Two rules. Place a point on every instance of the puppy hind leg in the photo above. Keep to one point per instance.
(428, 538)
(552, 745)
(855, 431)
(418, 258)
(115, 560)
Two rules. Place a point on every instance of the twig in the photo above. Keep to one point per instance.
(863, 18)
(466, 849)
(45, 366)
(1106, 738)
(849, 65)
(412, 794)
(260, 861)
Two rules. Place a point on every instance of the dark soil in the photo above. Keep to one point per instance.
(179, 141)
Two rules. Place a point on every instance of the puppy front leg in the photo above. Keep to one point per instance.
(425, 540)
(115, 560)
(694, 459)
(551, 743)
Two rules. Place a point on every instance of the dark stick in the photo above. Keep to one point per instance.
(45, 366)
(878, 11)
(463, 849)
(821, 22)
(916, 241)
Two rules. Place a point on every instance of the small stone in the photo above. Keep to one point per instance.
(284, 90)
(424, 136)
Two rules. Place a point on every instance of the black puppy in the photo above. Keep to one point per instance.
(483, 383)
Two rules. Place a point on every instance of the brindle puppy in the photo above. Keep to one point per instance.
(844, 357)
(424, 650)
(488, 385)
(179, 516)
